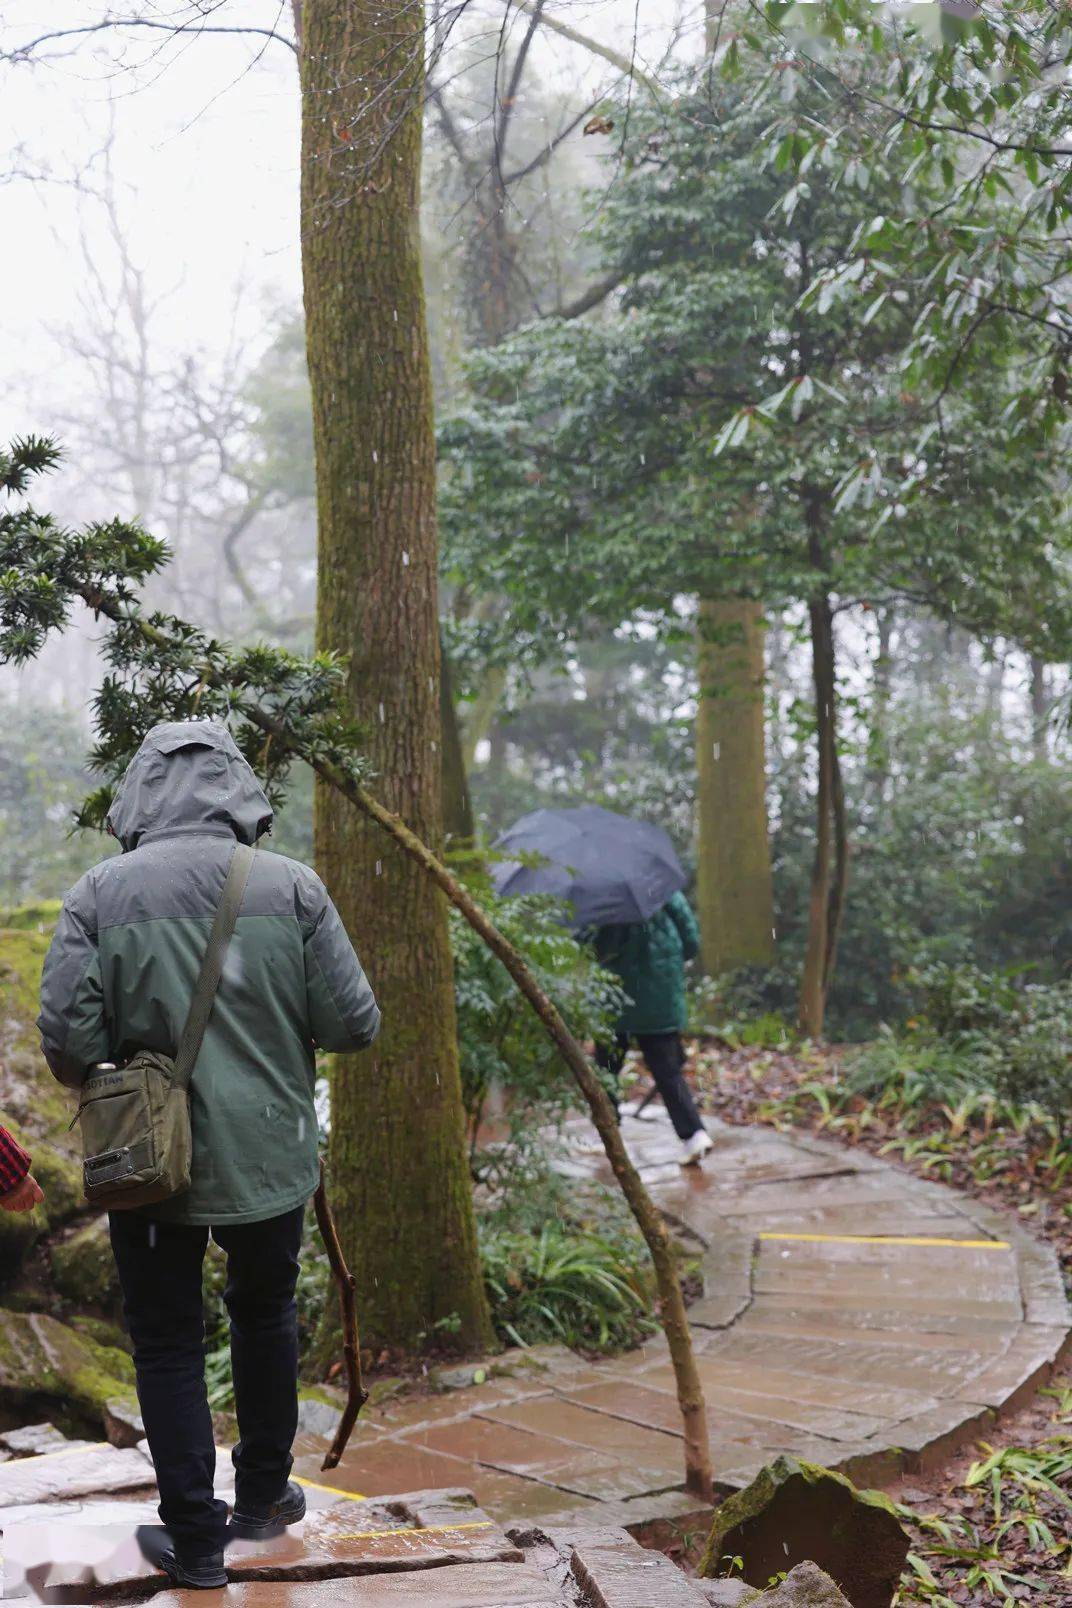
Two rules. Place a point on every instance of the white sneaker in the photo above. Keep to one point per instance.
(695, 1149)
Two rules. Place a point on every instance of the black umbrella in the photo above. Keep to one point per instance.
(605, 866)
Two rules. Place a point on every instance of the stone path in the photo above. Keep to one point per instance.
(854, 1315)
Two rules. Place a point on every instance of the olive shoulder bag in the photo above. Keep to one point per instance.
(135, 1119)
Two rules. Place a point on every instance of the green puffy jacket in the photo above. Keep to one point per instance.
(126, 952)
(649, 957)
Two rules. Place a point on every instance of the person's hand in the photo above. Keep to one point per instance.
(24, 1197)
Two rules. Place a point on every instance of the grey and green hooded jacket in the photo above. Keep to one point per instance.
(126, 953)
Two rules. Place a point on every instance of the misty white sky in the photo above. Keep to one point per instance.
(204, 148)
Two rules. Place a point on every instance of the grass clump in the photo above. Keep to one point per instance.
(578, 1287)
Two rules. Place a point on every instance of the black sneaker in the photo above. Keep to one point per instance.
(202, 1573)
(252, 1523)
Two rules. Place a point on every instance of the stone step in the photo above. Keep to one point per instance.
(76, 1470)
(488, 1585)
(98, 1559)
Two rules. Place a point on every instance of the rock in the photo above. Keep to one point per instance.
(728, 1593)
(19, 1232)
(34, 1438)
(795, 1513)
(60, 1176)
(43, 1360)
(93, 1470)
(83, 1267)
(123, 1422)
(806, 1586)
(614, 1571)
(102, 1331)
(316, 1417)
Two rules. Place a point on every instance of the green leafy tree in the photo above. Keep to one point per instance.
(724, 437)
(972, 105)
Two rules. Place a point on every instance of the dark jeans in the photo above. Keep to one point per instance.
(664, 1057)
(160, 1273)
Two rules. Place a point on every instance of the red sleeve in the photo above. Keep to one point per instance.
(14, 1162)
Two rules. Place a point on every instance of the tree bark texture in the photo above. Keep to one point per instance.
(734, 889)
(397, 1144)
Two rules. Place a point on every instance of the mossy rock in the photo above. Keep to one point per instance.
(83, 1267)
(102, 1331)
(44, 1361)
(28, 1090)
(19, 1233)
(60, 1177)
(796, 1512)
(41, 917)
(22, 955)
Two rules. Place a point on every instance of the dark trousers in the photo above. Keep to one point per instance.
(160, 1273)
(664, 1057)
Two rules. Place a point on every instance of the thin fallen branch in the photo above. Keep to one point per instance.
(356, 1394)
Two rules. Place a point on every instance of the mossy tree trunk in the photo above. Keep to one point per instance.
(734, 888)
(399, 1174)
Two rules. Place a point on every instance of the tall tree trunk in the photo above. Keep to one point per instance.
(830, 866)
(878, 755)
(734, 889)
(1039, 707)
(457, 805)
(397, 1135)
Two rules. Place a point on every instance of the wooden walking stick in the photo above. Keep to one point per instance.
(356, 1394)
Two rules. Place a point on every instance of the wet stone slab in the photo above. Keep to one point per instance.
(464, 1586)
(76, 1470)
(98, 1559)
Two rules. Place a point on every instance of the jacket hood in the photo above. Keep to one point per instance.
(188, 774)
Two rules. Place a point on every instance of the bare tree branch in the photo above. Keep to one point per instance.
(25, 52)
(548, 150)
(597, 292)
(624, 64)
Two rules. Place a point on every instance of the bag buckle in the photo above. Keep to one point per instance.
(108, 1167)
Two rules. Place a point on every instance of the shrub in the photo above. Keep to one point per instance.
(978, 1031)
(502, 1044)
(583, 1289)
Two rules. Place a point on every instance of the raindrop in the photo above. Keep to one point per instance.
(379, 868)
(405, 558)
(382, 715)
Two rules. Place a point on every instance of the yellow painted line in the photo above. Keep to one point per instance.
(311, 1485)
(424, 1529)
(69, 1451)
(891, 1239)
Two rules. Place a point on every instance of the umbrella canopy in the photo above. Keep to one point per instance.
(607, 867)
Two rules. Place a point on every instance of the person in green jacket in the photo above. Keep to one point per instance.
(118, 977)
(649, 959)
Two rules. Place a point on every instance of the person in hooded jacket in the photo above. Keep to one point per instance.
(648, 958)
(119, 977)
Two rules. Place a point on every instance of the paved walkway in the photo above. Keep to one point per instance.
(854, 1315)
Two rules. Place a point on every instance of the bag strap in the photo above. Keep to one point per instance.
(208, 979)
